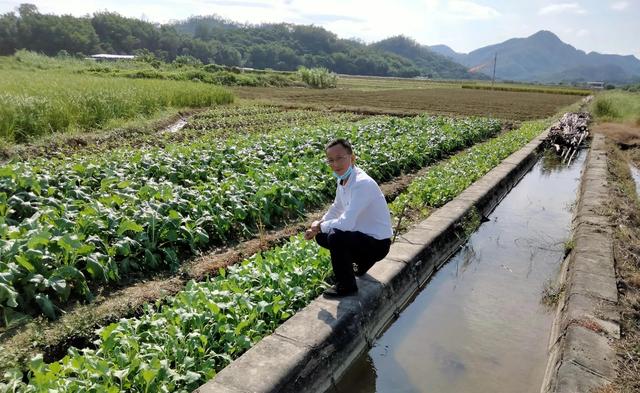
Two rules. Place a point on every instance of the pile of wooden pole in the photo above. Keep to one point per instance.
(567, 135)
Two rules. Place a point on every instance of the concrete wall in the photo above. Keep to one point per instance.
(581, 354)
(311, 350)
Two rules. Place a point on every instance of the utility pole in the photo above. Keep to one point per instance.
(495, 59)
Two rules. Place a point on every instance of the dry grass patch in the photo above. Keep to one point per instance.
(625, 215)
(627, 135)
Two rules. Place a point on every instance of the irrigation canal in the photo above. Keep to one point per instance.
(479, 324)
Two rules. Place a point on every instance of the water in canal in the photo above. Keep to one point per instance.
(479, 324)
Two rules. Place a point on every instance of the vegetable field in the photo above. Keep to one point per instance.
(447, 179)
(69, 223)
(89, 214)
(217, 122)
(178, 344)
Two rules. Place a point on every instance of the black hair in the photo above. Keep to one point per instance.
(342, 142)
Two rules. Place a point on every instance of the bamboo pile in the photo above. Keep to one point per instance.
(567, 135)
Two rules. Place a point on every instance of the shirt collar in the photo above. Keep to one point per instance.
(351, 177)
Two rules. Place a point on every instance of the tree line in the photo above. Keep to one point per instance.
(210, 39)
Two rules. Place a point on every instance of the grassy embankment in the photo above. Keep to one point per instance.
(617, 106)
(619, 116)
(42, 96)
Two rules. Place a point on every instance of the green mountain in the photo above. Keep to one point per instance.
(211, 39)
(543, 57)
(435, 65)
(447, 52)
(262, 46)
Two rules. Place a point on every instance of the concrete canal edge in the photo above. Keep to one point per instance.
(582, 357)
(311, 350)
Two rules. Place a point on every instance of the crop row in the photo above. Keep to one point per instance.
(179, 344)
(217, 122)
(530, 89)
(258, 119)
(446, 180)
(65, 223)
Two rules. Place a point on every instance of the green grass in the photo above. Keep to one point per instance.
(193, 72)
(33, 104)
(387, 83)
(618, 106)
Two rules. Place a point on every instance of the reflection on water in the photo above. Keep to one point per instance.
(478, 325)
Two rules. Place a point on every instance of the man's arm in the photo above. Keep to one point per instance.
(334, 212)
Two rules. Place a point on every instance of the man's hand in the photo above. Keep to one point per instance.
(313, 231)
(310, 234)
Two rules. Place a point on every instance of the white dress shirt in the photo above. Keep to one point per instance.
(359, 206)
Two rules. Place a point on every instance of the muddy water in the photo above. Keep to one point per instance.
(177, 126)
(635, 173)
(479, 325)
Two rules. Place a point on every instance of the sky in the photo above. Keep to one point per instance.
(464, 25)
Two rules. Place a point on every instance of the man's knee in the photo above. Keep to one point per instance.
(322, 240)
(337, 238)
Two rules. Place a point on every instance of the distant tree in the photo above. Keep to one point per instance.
(202, 32)
(227, 56)
(124, 35)
(281, 46)
(187, 60)
(146, 56)
(343, 63)
(313, 39)
(171, 41)
(8, 33)
(201, 50)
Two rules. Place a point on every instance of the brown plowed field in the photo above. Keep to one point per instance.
(446, 101)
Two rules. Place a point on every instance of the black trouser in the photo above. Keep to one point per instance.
(352, 253)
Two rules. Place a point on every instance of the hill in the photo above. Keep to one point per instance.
(543, 57)
(435, 65)
(314, 46)
(211, 39)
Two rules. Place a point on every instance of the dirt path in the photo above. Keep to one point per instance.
(623, 208)
(627, 135)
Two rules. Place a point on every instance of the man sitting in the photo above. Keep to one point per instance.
(357, 227)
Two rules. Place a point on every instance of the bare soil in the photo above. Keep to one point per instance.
(626, 135)
(447, 101)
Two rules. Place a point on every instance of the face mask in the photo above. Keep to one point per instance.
(344, 175)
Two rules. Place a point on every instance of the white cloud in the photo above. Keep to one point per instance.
(468, 10)
(582, 33)
(562, 7)
(619, 5)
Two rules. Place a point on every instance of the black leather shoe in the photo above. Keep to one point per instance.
(337, 292)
